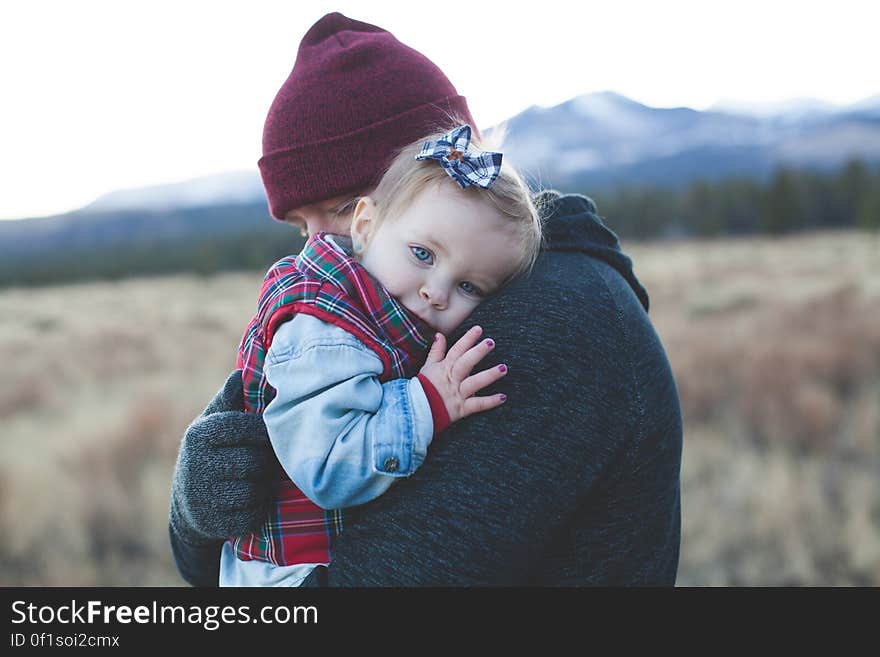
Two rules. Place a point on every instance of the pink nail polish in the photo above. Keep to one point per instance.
(490, 343)
(503, 368)
(503, 397)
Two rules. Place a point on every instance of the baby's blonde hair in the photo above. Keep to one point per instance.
(406, 177)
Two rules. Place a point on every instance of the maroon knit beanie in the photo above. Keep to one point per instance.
(355, 96)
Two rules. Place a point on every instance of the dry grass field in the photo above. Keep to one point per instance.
(775, 345)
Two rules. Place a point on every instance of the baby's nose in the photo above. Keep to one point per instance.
(435, 296)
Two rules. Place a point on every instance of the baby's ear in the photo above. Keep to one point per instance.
(362, 223)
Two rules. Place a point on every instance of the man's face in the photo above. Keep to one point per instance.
(331, 216)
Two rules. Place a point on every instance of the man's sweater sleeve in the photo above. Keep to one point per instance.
(198, 565)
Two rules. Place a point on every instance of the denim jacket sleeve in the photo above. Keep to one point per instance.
(342, 436)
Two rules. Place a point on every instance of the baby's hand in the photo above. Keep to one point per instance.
(451, 374)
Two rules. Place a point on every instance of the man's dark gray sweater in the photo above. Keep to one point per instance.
(573, 481)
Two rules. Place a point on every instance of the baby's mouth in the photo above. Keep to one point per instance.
(425, 321)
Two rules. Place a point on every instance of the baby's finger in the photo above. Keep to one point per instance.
(465, 342)
(480, 380)
(479, 404)
(438, 349)
(468, 361)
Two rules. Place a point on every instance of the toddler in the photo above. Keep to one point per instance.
(346, 356)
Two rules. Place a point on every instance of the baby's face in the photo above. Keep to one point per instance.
(442, 256)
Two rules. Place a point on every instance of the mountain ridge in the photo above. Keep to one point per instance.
(593, 144)
(601, 137)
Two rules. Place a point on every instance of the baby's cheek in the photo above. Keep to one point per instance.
(464, 312)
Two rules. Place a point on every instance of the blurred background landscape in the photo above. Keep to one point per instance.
(655, 172)
(753, 223)
(120, 321)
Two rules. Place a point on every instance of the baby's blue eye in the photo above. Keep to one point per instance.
(421, 254)
(470, 288)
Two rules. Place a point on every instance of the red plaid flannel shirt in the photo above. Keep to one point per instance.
(333, 287)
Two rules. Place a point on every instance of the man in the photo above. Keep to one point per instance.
(574, 481)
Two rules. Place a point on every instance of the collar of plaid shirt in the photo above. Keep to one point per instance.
(349, 293)
(329, 284)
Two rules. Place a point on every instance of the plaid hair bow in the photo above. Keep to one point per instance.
(476, 167)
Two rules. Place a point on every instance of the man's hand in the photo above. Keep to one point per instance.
(450, 374)
(224, 473)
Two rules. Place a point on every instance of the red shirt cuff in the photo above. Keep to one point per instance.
(435, 401)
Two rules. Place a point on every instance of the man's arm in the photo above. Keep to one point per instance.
(221, 485)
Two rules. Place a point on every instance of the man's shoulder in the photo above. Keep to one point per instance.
(574, 316)
(550, 202)
(564, 315)
(578, 284)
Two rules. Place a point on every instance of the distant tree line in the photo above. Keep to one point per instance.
(790, 201)
(243, 237)
(208, 256)
(201, 241)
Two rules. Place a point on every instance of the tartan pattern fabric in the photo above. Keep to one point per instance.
(474, 167)
(334, 287)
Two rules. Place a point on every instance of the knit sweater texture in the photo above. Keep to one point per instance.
(573, 481)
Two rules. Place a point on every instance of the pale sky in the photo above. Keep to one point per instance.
(103, 95)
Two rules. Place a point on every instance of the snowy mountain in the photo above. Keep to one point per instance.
(588, 144)
(605, 139)
(792, 109)
(225, 188)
